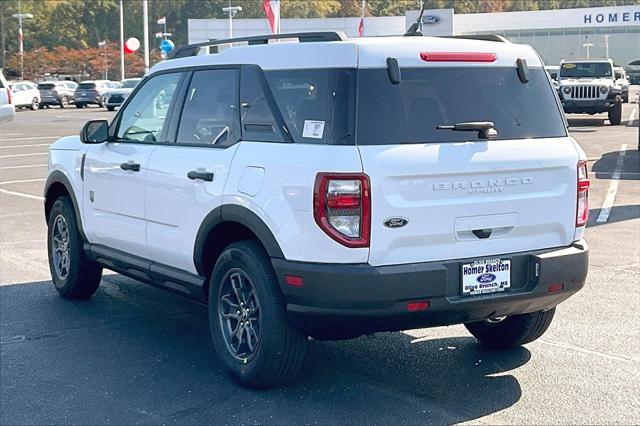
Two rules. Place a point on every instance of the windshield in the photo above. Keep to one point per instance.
(585, 70)
(410, 111)
(129, 84)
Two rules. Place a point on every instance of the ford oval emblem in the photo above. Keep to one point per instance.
(395, 222)
(486, 278)
(430, 19)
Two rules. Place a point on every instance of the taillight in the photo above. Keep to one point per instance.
(342, 207)
(582, 203)
(9, 95)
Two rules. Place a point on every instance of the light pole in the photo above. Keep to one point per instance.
(106, 64)
(232, 10)
(121, 42)
(145, 13)
(20, 17)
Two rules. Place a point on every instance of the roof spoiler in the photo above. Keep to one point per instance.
(483, 37)
(304, 37)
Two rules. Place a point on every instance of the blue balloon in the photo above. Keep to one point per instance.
(166, 46)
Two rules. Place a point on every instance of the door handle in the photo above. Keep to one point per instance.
(194, 174)
(134, 167)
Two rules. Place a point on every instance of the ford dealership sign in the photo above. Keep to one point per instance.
(430, 19)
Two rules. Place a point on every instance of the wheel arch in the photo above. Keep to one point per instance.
(225, 225)
(57, 185)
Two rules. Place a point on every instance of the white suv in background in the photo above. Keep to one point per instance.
(25, 94)
(7, 109)
(331, 188)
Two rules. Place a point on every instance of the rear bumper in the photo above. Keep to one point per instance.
(347, 300)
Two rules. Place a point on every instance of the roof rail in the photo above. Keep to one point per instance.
(304, 37)
(484, 37)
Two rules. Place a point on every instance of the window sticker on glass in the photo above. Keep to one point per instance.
(313, 129)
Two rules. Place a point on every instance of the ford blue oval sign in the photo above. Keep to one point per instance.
(486, 278)
(430, 19)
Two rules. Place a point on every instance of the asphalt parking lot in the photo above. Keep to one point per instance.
(136, 354)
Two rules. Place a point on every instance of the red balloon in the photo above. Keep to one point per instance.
(131, 45)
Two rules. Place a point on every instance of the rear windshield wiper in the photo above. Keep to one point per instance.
(485, 129)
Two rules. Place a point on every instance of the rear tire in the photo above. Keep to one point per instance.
(512, 331)
(244, 290)
(35, 104)
(79, 106)
(74, 275)
(615, 114)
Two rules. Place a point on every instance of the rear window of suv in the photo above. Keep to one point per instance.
(411, 111)
(46, 86)
(87, 86)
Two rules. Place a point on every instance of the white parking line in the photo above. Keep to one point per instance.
(25, 146)
(26, 166)
(8, 182)
(13, 134)
(21, 194)
(33, 138)
(24, 155)
(632, 116)
(607, 205)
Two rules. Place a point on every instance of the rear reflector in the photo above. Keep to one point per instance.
(458, 56)
(421, 305)
(556, 287)
(294, 280)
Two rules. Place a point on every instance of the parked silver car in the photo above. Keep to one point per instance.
(7, 109)
(59, 93)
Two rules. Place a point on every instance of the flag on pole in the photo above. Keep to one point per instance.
(272, 9)
(361, 28)
(162, 21)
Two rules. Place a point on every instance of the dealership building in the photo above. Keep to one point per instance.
(594, 32)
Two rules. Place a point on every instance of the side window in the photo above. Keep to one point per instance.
(258, 120)
(144, 117)
(210, 113)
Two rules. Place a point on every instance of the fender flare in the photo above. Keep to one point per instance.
(242, 216)
(58, 177)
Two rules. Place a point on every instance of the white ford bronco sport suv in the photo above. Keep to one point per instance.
(589, 87)
(330, 187)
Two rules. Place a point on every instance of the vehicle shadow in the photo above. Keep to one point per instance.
(136, 354)
(585, 122)
(617, 214)
(605, 166)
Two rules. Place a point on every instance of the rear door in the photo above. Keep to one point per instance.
(186, 179)
(462, 196)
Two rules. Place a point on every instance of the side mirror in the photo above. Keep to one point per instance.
(95, 131)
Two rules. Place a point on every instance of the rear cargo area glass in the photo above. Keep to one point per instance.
(409, 112)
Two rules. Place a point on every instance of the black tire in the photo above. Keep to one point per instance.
(82, 276)
(615, 114)
(64, 102)
(35, 104)
(512, 331)
(279, 352)
(41, 106)
(111, 108)
(79, 106)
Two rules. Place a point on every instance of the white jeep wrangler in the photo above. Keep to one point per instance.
(331, 188)
(589, 87)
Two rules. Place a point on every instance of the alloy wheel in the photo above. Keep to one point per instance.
(60, 246)
(239, 315)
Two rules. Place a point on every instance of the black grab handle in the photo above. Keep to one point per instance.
(207, 176)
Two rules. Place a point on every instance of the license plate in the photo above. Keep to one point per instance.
(486, 276)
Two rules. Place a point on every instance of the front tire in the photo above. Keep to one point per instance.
(110, 108)
(79, 106)
(35, 104)
(74, 275)
(615, 114)
(512, 331)
(248, 319)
